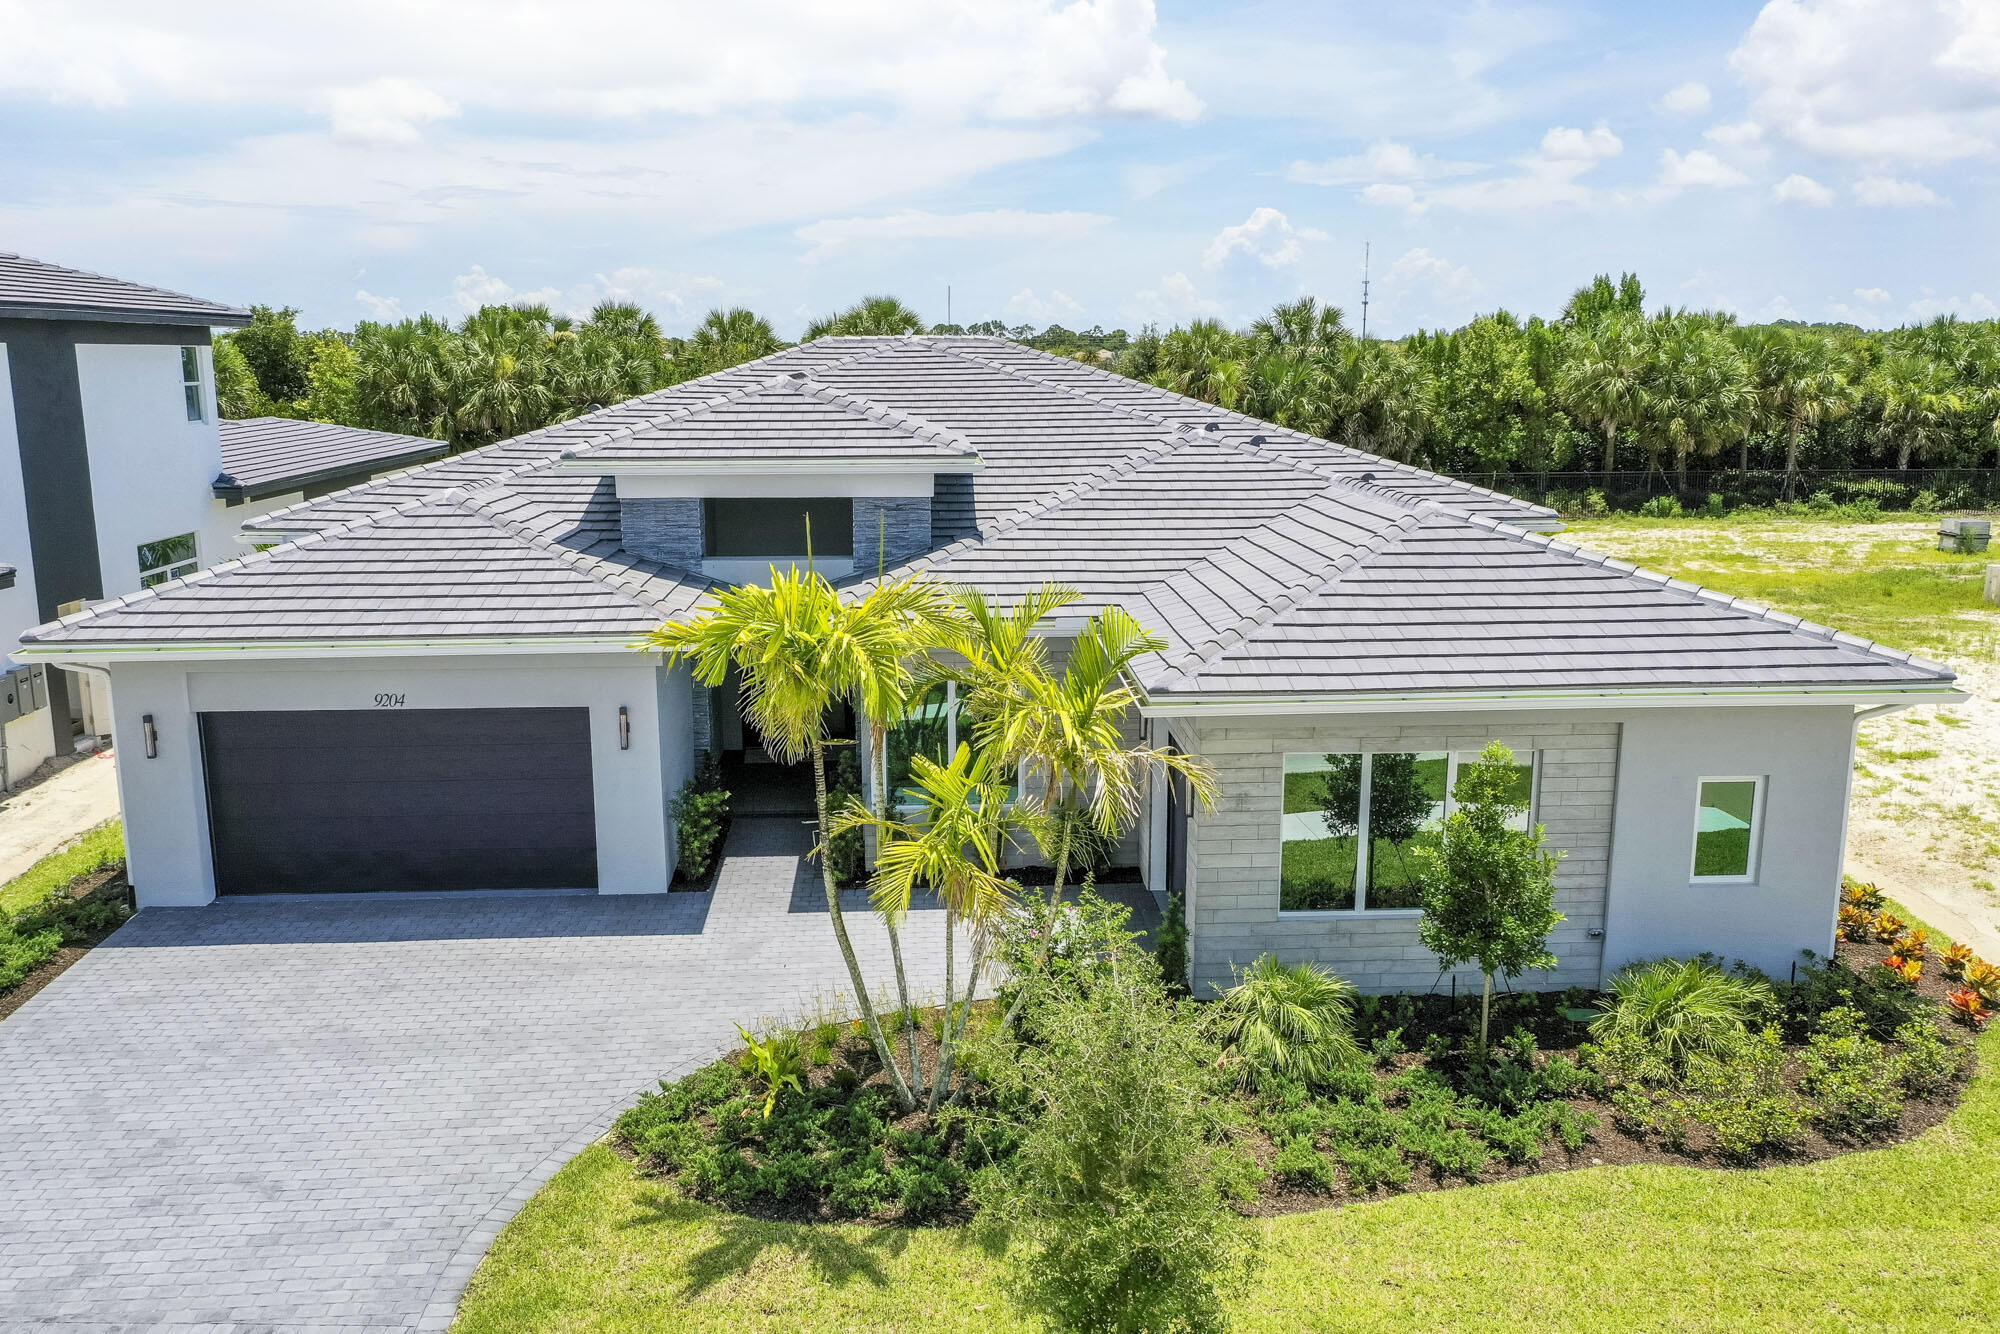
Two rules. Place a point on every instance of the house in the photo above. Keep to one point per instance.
(430, 684)
(116, 472)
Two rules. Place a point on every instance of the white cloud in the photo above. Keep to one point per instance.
(1874, 296)
(1888, 192)
(1797, 189)
(667, 294)
(830, 236)
(1777, 308)
(1444, 280)
(1143, 180)
(1174, 301)
(385, 309)
(1975, 307)
(1688, 99)
(1383, 160)
(1052, 309)
(1010, 59)
(1697, 168)
(1394, 196)
(1737, 135)
(385, 111)
(1266, 236)
(1877, 81)
(1549, 176)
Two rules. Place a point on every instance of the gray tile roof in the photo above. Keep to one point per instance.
(6, 576)
(268, 456)
(36, 289)
(1276, 564)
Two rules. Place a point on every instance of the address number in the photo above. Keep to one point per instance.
(387, 701)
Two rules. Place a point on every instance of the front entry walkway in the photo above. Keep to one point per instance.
(316, 1114)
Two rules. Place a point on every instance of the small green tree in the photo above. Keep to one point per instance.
(1488, 890)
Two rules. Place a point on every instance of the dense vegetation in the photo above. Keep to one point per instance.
(1603, 388)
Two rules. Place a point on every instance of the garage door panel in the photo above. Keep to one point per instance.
(358, 800)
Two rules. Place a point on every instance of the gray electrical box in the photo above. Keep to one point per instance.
(22, 692)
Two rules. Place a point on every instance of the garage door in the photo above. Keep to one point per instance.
(340, 801)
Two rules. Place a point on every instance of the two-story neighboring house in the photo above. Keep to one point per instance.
(116, 475)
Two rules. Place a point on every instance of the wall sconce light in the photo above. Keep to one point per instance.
(152, 738)
(624, 728)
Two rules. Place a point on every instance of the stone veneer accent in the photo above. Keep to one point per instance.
(704, 719)
(907, 529)
(667, 529)
(1233, 853)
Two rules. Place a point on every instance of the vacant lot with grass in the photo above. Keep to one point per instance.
(1926, 821)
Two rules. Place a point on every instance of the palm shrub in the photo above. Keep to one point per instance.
(1287, 1021)
(1680, 1008)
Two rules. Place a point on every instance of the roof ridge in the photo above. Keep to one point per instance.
(1189, 660)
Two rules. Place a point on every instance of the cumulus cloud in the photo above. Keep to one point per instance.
(1174, 301)
(831, 236)
(1444, 280)
(1910, 82)
(1798, 189)
(1394, 196)
(1975, 307)
(1697, 168)
(384, 309)
(1266, 236)
(1549, 176)
(385, 111)
(1055, 308)
(1874, 296)
(1688, 99)
(1383, 160)
(1888, 192)
(668, 294)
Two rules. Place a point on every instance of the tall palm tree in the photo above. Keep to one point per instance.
(870, 315)
(1798, 385)
(726, 338)
(1603, 380)
(1698, 394)
(1303, 326)
(1203, 360)
(1381, 398)
(1915, 403)
(801, 649)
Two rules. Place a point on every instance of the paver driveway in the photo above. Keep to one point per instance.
(305, 1114)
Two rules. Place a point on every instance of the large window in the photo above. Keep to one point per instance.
(749, 527)
(1727, 814)
(168, 558)
(936, 725)
(1354, 825)
(197, 401)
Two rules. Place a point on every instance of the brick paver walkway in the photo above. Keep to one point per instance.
(316, 1114)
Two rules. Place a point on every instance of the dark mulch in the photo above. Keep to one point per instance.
(109, 882)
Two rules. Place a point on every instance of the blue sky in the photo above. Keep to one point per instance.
(1095, 162)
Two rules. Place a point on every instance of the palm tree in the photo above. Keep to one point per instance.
(1204, 360)
(1798, 385)
(951, 844)
(1915, 402)
(726, 338)
(800, 649)
(1380, 399)
(1698, 394)
(1603, 380)
(1302, 326)
(877, 315)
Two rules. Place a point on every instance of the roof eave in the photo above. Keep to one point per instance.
(221, 318)
(1167, 704)
(228, 488)
(600, 466)
(105, 652)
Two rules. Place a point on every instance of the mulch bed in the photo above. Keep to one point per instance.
(109, 881)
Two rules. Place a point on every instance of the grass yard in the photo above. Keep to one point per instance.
(97, 847)
(1894, 1239)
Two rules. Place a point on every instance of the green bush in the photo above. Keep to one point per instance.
(1661, 507)
(847, 851)
(1849, 1075)
(1681, 1008)
(1886, 1004)
(1303, 1167)
(1928, 1062)
(22, 953)
(1287, 1020)
(1170, 949)
(1737, 1090)
(701, 814)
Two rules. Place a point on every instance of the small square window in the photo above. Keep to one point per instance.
(1728, 813)
(168, 558)
(197, 401)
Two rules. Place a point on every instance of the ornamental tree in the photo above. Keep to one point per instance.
(1488, 890)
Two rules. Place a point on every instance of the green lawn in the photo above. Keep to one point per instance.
(98, 847)
(1894, 1239)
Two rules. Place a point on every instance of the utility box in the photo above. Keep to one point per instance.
(1964, 536)
(1993, 584)
(23, 691)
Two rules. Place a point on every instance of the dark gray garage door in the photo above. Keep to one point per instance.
(340, 801)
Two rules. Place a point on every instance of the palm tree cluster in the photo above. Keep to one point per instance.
(1602, 386)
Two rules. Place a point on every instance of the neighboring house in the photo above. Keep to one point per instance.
(432, 684)
(269, 463)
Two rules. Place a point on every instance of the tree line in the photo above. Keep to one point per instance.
(1604, 387)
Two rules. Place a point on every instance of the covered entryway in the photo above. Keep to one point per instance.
(342, 801)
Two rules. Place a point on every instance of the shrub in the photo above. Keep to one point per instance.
(1170, 949)
(701, 813)
(1928, 1062)
(1955, 959)
(778, 1062)
(1661, 507)
(1303, 1167)
(1984, 978)
(1849, 1074)
(22, 953)
(1681, 1007)
(1925, 502)
(1884, 998)
(1867, 898)
(1739, 1093)
(1854, 923)
(846, 851)
(1288, 1020)
(1968, 1007)
(1113, 1189)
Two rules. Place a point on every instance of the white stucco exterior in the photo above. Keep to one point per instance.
(166, 821)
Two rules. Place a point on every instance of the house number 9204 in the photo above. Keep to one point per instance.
(387, 701)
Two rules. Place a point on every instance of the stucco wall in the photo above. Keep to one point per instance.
(1806, 758)
(166, 819)
(1234, 853)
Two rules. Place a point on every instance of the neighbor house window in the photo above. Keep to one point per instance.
(1355, 826)
(740, 527)
(1727, 816)
(197, 401)
(168, 558)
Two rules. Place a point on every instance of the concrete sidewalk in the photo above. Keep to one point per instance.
(37, 820)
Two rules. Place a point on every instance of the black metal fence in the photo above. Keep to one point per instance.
(1885, 488)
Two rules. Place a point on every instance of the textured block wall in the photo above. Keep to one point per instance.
(899, 524)
(665, 529)
(1234, 852)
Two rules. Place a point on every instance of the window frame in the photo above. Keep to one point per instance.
(880, 764)
(1364, 850)
(1753, 863)
(194, 388)
(170, 570)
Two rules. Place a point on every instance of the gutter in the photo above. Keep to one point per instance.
(219, 319)
(1870, 697)
(312, 650)
(600, 465)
